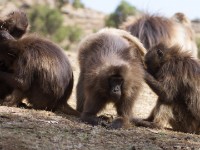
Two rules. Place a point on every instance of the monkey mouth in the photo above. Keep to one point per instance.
(115, 96)
(2, 66)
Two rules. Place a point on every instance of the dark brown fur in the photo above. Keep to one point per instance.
(102, 57)
(41, 73)
(175, 77)
(16, 23)
(154, 29)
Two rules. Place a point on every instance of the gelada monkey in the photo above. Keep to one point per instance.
(111, 71)
(40, 72)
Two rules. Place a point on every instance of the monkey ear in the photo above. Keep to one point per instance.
(160, 53)
(5, 36)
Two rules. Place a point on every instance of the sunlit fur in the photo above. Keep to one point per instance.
(102, 55)
(154, 29)
(16, 23)
(178, 73)
(43, 72)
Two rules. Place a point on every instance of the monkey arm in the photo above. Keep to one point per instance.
(92, 105)
(13, 81)
(154, 84)
(158, 88)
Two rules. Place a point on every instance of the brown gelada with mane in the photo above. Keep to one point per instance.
(155, 29)
(15, 23)
(38, 71)
(111, 71)
(174, 75)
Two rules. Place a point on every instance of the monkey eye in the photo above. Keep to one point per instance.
(160, 53)
(1, 63)
(116, 80)
(12, 55)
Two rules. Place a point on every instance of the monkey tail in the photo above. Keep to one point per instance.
(144, 123)
(63, 106)
(126, 35)
(68, 110)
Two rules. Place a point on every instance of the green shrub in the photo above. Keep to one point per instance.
(74, 33)
(49, 22)
(120, 14)
(60, 34)
(45, 20)
(60, 3)
(77, 4)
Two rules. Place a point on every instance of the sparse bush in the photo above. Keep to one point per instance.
(60, 3)
(74, 33)
(77, 4)
(49, 22)
(60, 34)
(45, 20)
(120, 14)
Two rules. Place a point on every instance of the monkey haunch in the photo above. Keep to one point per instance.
(110, 71)
(175, 78)
(40, 72)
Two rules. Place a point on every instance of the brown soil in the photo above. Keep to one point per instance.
(30, 129)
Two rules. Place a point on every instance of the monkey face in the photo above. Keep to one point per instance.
(115, 85)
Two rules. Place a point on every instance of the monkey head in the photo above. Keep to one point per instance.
(15, 23)
(111, 82)
(7, 53)
(154, 58)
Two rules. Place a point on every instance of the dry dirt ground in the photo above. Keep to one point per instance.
(22, 129)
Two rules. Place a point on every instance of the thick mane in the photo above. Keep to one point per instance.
(108, 44)
(180, 64)
(151, 29)
(104, 45)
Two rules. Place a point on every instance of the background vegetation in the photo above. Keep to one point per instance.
(120, 14)
(49, 22)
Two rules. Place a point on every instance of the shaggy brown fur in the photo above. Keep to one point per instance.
(110, 72)
(175, 77)
(15, 23)
(154, 29)
(41, 73)
(181, 18)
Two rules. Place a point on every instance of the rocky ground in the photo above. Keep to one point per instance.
(30, 129)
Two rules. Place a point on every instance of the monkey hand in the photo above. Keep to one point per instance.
(118, 123)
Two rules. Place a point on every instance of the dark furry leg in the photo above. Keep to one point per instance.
(13, 99)
(80, 94)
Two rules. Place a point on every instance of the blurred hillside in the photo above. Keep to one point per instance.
(69, 21)
(79, 21)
